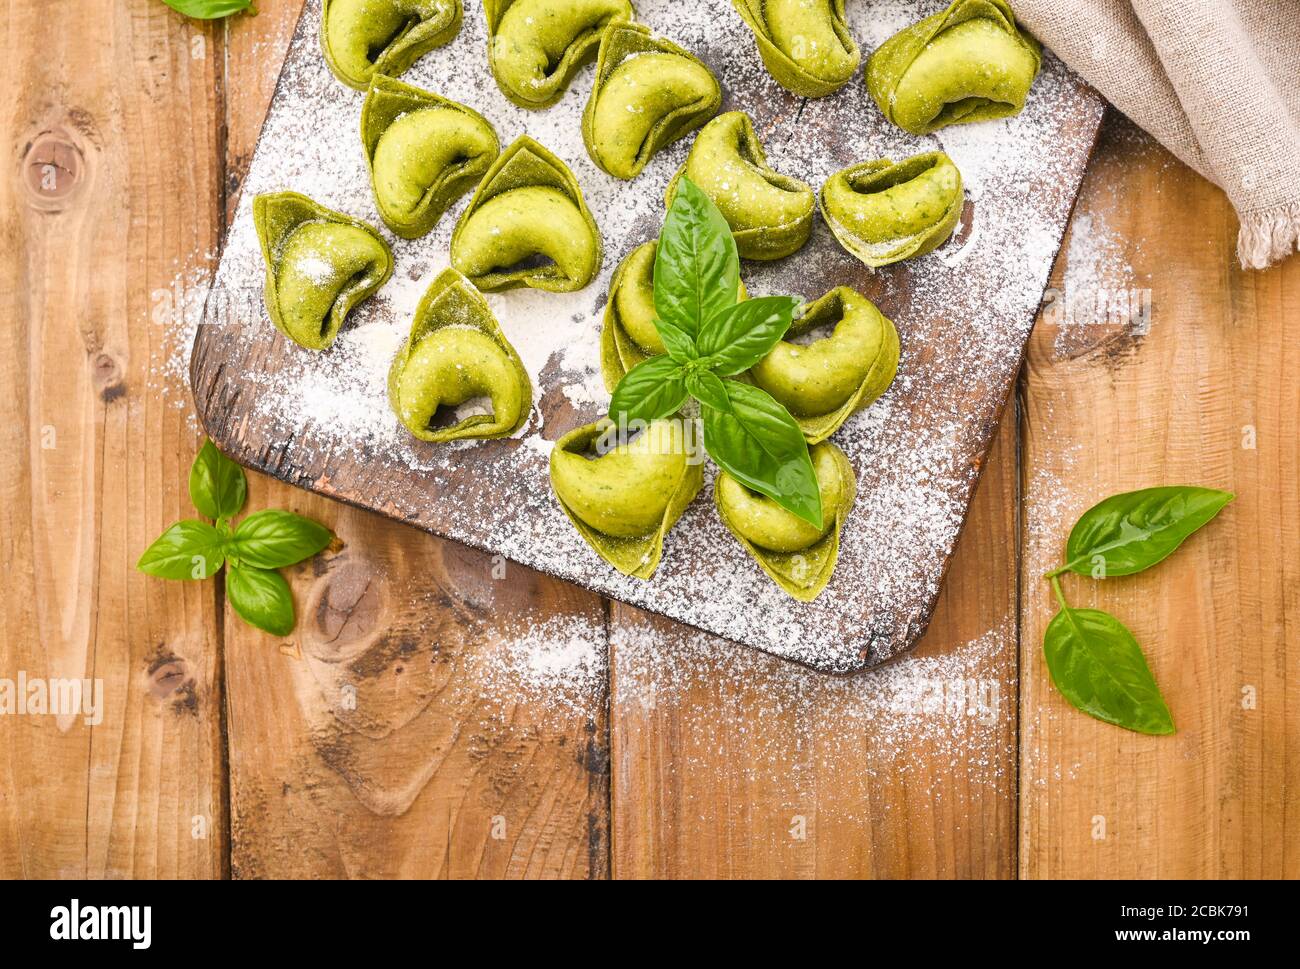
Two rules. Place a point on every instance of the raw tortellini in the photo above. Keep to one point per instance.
(770, 214)
(424, 153)
(319, 265)
(805, 44)
(527, 225)
(364, 37)
(648, 93)
(970, 62)
(457, 355)
(824, 382)
(797, 556)
(625, 501)
(884, 211)
(629, 335)
(536, 46)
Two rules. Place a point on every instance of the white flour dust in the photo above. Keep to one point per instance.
(791, 727)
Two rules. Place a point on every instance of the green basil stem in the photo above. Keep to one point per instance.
(1056, 587)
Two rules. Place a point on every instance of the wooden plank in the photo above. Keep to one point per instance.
(96, 220)
(729, 763)
(1208, 395)
(963, 314)
(438, 713)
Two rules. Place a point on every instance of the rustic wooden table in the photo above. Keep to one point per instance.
(441, 714)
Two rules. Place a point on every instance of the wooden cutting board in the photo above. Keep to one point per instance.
(964, 313)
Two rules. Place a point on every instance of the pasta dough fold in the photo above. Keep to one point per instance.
(527, 225)
(319, 265)
(770, 214)
(624, 501)
(648, 94)
(363, 37)
(797, 556)
(457, 354)
(970, 62)
(424, 153)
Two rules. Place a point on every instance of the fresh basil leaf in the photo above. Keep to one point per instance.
(210, 9)
(680, 344)
(188, 551)
(739, 336)
(1098, 666)
(218, 486)
(707, 387)
(697, 269)
(275, 539)
(759, 444)
(652, 389)
(261, 598)
(1133, 531)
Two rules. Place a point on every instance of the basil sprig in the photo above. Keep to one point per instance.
(210, 9)
(251, 552)
(710, 335)
(1093, 659)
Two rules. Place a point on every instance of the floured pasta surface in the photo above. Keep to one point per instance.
(962, 313)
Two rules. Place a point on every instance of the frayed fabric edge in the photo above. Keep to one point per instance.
(1269, 235)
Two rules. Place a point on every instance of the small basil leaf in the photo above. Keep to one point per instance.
(707, 388)
(210, 9)
(759, 444)
(275, 539)
(652, 389)
(739, 336)
(1133, 531)
(261, 599)
(680, 344)
(697, 269)
(1098, 666)
(189, 551)
(218, 486)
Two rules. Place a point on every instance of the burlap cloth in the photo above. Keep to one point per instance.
(1216, 81)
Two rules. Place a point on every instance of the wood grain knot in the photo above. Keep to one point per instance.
(345, 608)
(170, 681)
(54, 168)
(107, 375)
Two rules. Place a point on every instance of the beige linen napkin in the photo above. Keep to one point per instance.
(1216, 81)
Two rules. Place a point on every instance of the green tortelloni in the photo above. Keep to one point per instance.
(770, 214)
(319, 265)
(629, 335)
(625, 501)
(648, 93)
(536, 46)
(884, 211)
(805, 44)
(364, 37)
(825, 382)
(527, 225)
(796, 556)
(424, 153)
(970, 62)
(457, 354)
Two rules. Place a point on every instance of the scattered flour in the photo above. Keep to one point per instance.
(556, 664)
(790, 726)
(177, 310)
(1100, 288)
